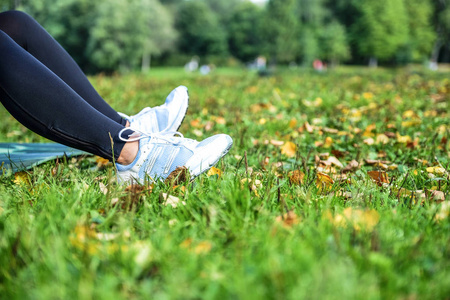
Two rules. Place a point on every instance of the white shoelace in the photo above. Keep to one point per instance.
(173, 137)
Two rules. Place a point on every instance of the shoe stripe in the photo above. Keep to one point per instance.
(171, 158)
(153, 159)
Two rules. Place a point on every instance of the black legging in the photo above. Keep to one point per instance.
(46, 91)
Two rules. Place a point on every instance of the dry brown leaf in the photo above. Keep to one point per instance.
(308, 127)
(374, 162)
(334, 161)
(443, 212)
(351, 166)
(221, 121)
(292, 123)
(274, 142)
(103, 188)
(178, 176)
(289, 149)
(379, 177)
(288, 220)
(296, 177)
(324, 181)
(437, 196)
(101, 162)
(133, 196)
(173, 201)
(324, 155)
(369, 141)
(330, 130)
(338, 153)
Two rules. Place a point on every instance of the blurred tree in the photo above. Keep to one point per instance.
(118, 35)
(223, 9)
(244, 31)
(127, 33)
(281, 30)
(199, 30)
(68, 21)
(441, 22)
(421, 33)
(380, 28)
(6, 5)
(313, 16)
(333, 43)
(162, 34)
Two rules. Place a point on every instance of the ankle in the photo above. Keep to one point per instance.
(128, 153)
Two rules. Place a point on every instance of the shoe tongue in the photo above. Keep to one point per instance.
(162, 119)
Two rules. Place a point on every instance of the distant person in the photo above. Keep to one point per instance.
(318, 65)
(45, 90)
(192, 65)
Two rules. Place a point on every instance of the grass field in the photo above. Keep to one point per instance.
(337, 187)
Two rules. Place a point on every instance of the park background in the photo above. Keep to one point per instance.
(118, 35)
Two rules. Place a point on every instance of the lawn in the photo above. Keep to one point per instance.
(337, 187)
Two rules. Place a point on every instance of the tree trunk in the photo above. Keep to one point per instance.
(436, 49)
(146, 61)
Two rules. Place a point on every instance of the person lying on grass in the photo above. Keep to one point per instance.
(46, 91)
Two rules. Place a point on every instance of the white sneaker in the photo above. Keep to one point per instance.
(159, 154)
(166, 117)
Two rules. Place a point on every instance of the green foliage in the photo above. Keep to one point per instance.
(200, 33)
(126, 35)
(281, 30)
(421, 35)
(441, 21)
(68, 21)
(333, 43)
(381, 28)
(244, 32)
(6, 5)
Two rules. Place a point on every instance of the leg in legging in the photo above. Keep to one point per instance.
(44, 103)
(32, 37)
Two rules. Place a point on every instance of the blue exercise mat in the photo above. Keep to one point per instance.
(16, 156)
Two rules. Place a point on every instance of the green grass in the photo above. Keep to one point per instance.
(62, 237)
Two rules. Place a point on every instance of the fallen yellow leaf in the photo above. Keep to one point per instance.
(203, 247)
(328, 142)
(292, 123)
(22, 178)
(289, 149)
(214, 171)
(359, 219)
(324, 181)
(436, 170)
(367, 95)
